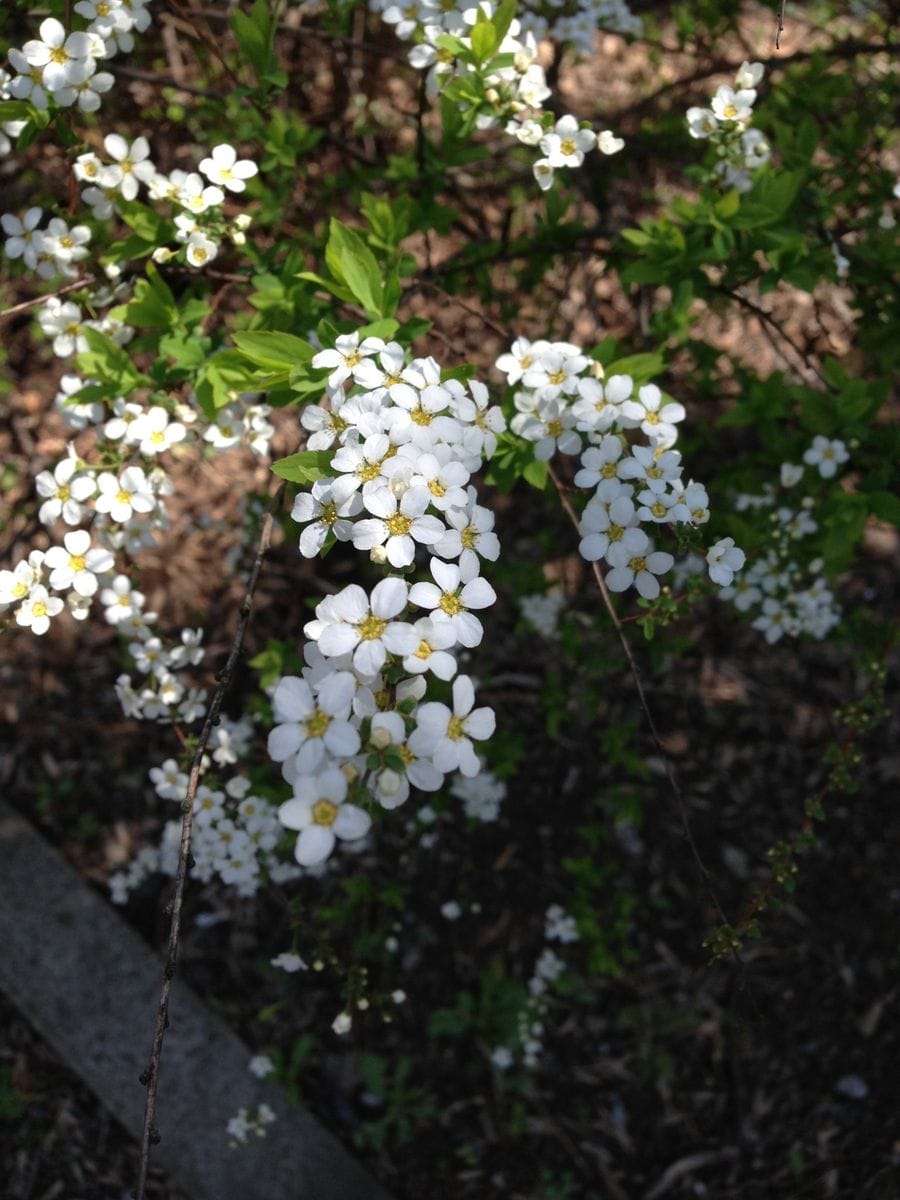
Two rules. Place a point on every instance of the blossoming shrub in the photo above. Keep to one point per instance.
(237, 263)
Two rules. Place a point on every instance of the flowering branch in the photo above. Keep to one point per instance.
(642, 697)
(151, 1078)
(63, 291)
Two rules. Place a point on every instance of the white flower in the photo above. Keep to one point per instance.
(169, 782)
(62, 321)
(64, 491)
(657, 420)
(63, 60)
(749, 74)
(790, 474)
(608, 143)
(319, 812)
(342, 1023)
(826, 454)
(328, 506)
(200, 250)
(603, 526)
(435, 639)
(450, 910)
(352, 621)
(635, 562)
(123, 496)
(121, 600)
(725, 558)
(154, 432)
(308, 726)
(75, 564)
(729, 105)
(567, 145)
(28, 84)
(132, 164)
(260, 1066)
(702, 122)
(398, 524)
(456, 590)
(543, 173)
(347, 353)
(446, 736)
(37, 608)
(23, 240)
(559, 926)
(223, 167)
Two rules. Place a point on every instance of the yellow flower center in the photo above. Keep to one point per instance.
(352, 358)
(59, 55)
(567, 146)
(437, 488)
(451, 604)
(555, 428)
(316, 724)
(383, 700)
(469, 537)
(199, 254)
(419, 417)
(324, 813)
(729, 111)
(77, 562)
(455, 729)
(369, 471)
(608, 470)
(123, 497)
(157, 437)
(63, 492)
(652, 418)
(39, 609)
(557, 377)
(614, 533)
(371, 628)
(398, 525)
(638, 564)
(67, 241)
(423, 651)
(329, 514)
(658, 509)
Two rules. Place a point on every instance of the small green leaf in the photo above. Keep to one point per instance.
(304, 467)
(351, 262)
(276, 351)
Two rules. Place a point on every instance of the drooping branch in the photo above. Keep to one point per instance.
(151, 1077)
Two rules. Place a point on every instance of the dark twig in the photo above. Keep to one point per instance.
(151, 1078)
(768, 323)
(648, 715)
(779, 30)
(422, 284)
(63, 291)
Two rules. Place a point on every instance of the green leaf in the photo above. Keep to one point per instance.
(221, 380)
(146, 222)
(276, 351)
(304, 467)
(768, 200)
(15, 110)
(254, 35)
(107, 361)
(336, 289)
(885, 506)
(483, 38)
(152, 306)
(640, 367)
(503, 18)
(351, 262)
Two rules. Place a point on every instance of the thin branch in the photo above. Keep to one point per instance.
(63, 291)
(779, 30)
(421, 284)
(648, 715)
(769, 323)
(151, 1077)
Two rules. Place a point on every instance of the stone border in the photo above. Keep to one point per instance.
(89, 985)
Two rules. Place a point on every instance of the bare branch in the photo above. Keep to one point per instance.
(151, 1078)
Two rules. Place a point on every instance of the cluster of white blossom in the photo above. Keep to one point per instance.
(787, 597)
(542, 611)
(561, 928)
(513, 94)
(565, 403)
(235, 833)
(241, 1126)
(51, 251)
(576, 22)
(739, 149)
(481, 795)
(196, 197)
(59, 68)
(356, 724)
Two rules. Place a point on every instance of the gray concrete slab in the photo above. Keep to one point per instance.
(89, 985)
